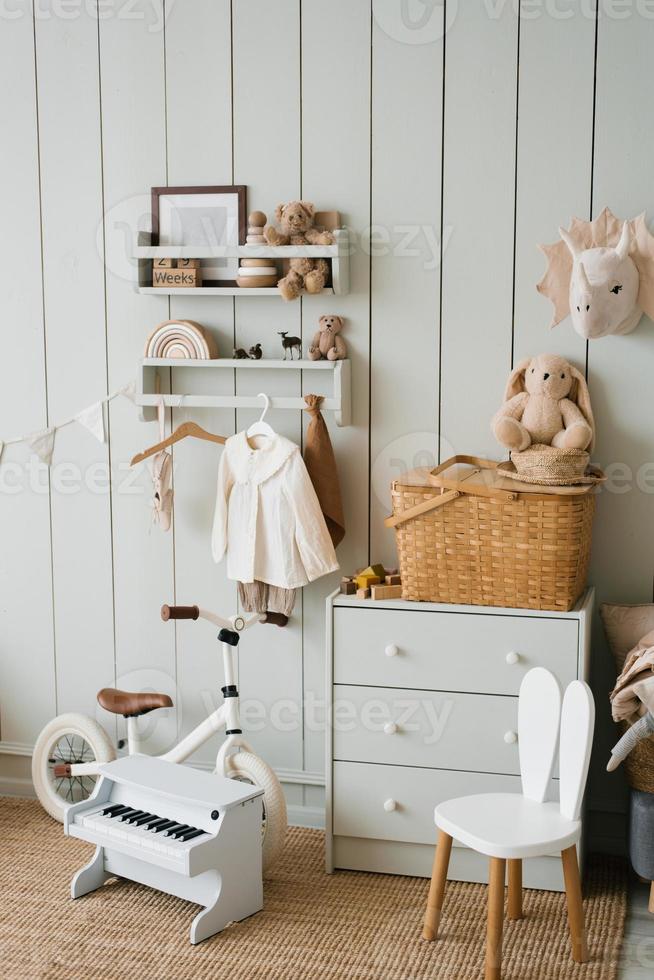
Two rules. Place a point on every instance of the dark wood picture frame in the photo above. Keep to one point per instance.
(239, 189)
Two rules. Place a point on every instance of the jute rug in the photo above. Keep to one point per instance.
(346, 925)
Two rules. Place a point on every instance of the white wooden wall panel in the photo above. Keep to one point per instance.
(336, 173)
(267, 160)
(198, 60)
(555, 111)
(73, 260)
(27, 662)
(405, 264)
(478, 212)
(619, 368)
(132, 50)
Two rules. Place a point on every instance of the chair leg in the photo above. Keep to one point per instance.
(575, 907)
(437, 886)
(515, 890)
(495, 919)
(650, 907)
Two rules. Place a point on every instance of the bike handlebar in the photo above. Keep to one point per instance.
(193, 612)
(179, 612)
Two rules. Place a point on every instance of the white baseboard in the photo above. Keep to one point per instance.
(10, 786)
(306, 816)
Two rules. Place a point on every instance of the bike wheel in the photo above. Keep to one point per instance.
(249, 768)
(69, 738)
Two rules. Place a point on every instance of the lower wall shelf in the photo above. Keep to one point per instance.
(146, 394)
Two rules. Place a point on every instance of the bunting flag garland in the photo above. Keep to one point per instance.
(91, 418)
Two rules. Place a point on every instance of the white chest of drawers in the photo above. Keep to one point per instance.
(423, 707)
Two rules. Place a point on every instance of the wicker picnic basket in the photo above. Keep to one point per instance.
(465, 534)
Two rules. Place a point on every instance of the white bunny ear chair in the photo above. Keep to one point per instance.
(162, 475)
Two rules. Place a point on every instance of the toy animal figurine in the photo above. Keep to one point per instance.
(326, 343)
(290, 343)
(546, 402)
(239, 354)
(255, 353)
(602, 274)
(296, 220)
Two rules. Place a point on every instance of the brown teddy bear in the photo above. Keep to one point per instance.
(326, 343)
(296, 220)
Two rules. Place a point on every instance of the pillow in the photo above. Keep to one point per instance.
(625, 626)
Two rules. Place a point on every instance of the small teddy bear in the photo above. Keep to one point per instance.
(326, 343)
(546, 402)
(296, 220)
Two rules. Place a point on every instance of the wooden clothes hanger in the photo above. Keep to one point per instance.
(181, 432)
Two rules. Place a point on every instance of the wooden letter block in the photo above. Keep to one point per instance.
(188, 263)
(363, 593)
(162, 263)
(393, 580)
(176, 278)
(386, 591)
(348, 588)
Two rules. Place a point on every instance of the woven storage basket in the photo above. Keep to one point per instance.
(466, 535)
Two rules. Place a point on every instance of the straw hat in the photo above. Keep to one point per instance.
(551, 467)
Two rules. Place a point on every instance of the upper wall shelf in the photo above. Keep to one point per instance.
(338, 254)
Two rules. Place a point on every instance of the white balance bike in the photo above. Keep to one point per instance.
(70, 749)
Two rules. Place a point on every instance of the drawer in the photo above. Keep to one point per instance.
(360, 793)
(444, 730)
(450, 651)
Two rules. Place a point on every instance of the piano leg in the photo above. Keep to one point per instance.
(211, 919)
(91, 876)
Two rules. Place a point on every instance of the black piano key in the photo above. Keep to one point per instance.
(155, 822)
(178, 831)
(164, 826)
(144, 819)
(189, 835)
(134, 816)
(113, 811)
(130, 811)
(177, 828)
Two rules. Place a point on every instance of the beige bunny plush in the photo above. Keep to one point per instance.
(546, 402)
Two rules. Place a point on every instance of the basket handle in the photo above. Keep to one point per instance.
(395, 519)
(478, 491)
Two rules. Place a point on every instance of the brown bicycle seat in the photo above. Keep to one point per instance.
(131, 704)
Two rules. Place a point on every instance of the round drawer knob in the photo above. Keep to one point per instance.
(391, 650)
(390, 805)
(510, 737)
(390, 728)
(512, 657)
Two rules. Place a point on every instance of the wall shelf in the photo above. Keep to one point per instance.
(146, 390)
(145, 252)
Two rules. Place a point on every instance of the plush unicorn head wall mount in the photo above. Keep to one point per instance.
(602, 274)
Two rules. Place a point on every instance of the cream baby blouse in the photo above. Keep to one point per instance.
(267, 517)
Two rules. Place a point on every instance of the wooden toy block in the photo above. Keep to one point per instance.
(364, 581)
(176, 278)
(348, 588)
(393, 580)
(386, 591)
(162, 263)
(363, 593)
(188, 263)
(377, 571)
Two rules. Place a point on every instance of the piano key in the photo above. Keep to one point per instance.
(164, 826)
(134, 816)
(155, 822)
(144, 819)
(112, 811)
(178, 831)
(129, 812)
(189, 835)
(175, 826)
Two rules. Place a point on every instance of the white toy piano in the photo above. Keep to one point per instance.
(191, 834)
